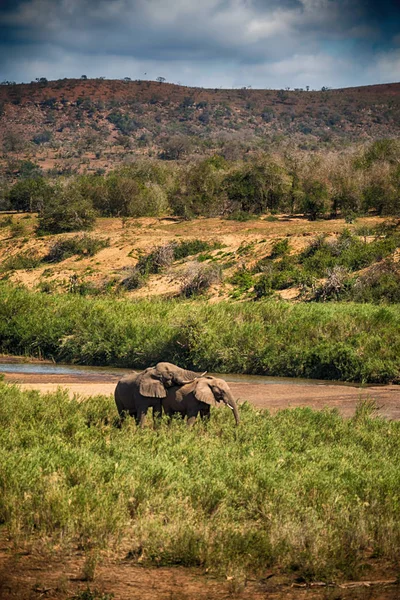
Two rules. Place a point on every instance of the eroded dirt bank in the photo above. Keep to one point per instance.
(267, 396)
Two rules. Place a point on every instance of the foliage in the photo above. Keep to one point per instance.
(190, 247)
(280, 248)
(381, 283)
(315, 199)
(66, 211)
(81, 245)
(257, 187)
(42, 137)
(198, 278)
(347, 251)
(22, 260)
(123, 122)
(30, 194)
(301, 490)
(354, 342)
(200, 190)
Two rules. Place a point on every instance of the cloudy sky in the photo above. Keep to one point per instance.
(210, 43)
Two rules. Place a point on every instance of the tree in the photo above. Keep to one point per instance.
(160, 79)
(315, 199)
(173, 148)
(282, 95)
(66, 210)
(30, 195)
(83, 76)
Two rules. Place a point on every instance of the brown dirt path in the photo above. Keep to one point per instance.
(267, 396)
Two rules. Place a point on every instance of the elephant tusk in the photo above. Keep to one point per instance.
(230, 406)
(205, 373)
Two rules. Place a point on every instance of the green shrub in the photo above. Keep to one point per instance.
(263, 287)
(66, 211)
(191, 247)
(346, 251)
(315, 200)
(133, 279)
(23, 260)
(243, 279)
(84, 245)
(381, 283)
(30, 194)
(280, 248)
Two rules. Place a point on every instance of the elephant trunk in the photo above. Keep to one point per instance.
(233, 406)
(184, 376)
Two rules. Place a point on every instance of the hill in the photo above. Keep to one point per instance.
(94, 124)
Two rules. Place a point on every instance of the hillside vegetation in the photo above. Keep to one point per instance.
(78, 125)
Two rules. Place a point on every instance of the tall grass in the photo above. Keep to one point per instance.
(336, 341)
(301, 490)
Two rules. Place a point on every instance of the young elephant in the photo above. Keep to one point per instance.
(197, 397)
(137, 392)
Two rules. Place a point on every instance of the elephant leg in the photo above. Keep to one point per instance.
(141, 416)
(192, 416)
(157, 412)
(205, 414)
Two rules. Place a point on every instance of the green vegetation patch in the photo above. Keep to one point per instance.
(81, 245)
(28, 259)
(353, 342)
(302, 490)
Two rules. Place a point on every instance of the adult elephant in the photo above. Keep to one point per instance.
(137, 392)
(197, 398)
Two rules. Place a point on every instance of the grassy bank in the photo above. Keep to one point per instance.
(301, 490)
(330, 341)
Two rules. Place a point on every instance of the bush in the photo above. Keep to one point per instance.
(224, 337)
(314, 203)
(155, 262)
(30, 195)
(66, 211)
(42, 137)
(346, 251)
(84, 245)
(280, 248)
(199, 190)
(199, 278)
(242, 279)
(133, 279)
(336, 287)
(23, 260)
(191, 247)
(381, 283)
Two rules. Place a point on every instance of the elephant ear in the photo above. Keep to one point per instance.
(150, 386)
(203, 392)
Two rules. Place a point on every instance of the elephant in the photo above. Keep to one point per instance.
(137, 392)
(197, 397)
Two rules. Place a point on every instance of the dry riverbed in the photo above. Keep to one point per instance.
(274, 396)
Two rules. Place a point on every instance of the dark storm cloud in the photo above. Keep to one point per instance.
(266, 41)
